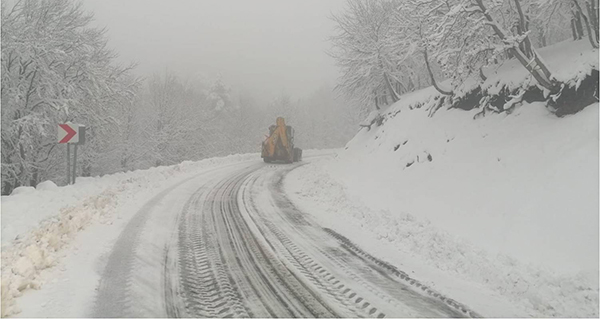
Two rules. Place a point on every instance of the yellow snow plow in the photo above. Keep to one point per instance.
(279, 145)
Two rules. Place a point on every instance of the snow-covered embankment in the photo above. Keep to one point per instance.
(38, 225)
(500, 213)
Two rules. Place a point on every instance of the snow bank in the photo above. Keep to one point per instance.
(494, 285)
(23, 210)
(37, 224)
(508, 203)
(46, 185)
(22, 190)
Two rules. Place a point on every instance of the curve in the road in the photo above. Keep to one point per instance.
(242, 249)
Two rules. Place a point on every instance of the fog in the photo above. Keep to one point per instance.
(209, 79)
(301, 142)
(265, 47)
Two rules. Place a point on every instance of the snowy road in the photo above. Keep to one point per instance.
(228, 243)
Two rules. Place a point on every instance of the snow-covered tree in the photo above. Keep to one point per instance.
(219, 96)
(589, 14)
(55, 68)
(174, 111)
(512, 43)
(383, 44)
(366, 50)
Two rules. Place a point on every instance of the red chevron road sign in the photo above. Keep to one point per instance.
(68, 133)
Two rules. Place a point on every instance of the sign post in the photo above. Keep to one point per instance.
(70, 133)
(68, 164)
(74, 163)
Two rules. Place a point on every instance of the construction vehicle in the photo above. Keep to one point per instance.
(279, 145)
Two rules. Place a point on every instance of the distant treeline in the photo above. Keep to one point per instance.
(57, 68)
(386, 48)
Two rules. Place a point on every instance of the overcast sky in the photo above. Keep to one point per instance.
(264, 46)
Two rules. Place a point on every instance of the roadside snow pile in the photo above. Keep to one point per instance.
(37, 224)
(46, 185)
(507, 202)
(22, 190)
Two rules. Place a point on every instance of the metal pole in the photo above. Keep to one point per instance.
(75, 164)
(68, 164)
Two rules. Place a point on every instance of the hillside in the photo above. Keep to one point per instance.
(502, 210)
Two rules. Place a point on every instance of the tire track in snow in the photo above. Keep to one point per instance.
(346, 243)
(207, 290)
(350, 305)
(230, 257)
(264, 286)
(370, 272)
(114, 297)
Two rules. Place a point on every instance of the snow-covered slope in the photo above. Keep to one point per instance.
(569, 61)
(526, 183)
(505, 206)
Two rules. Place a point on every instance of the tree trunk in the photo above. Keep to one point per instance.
(86, 169)
(433, 82)
(578, 25)
(7, 186)
(592, 12)
(542, 39)
(34, 177)
(523, 27)
(390, 88)
(574, 30)
(593, 40)
(538, 69)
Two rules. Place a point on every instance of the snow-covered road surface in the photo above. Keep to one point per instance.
(229, 243)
